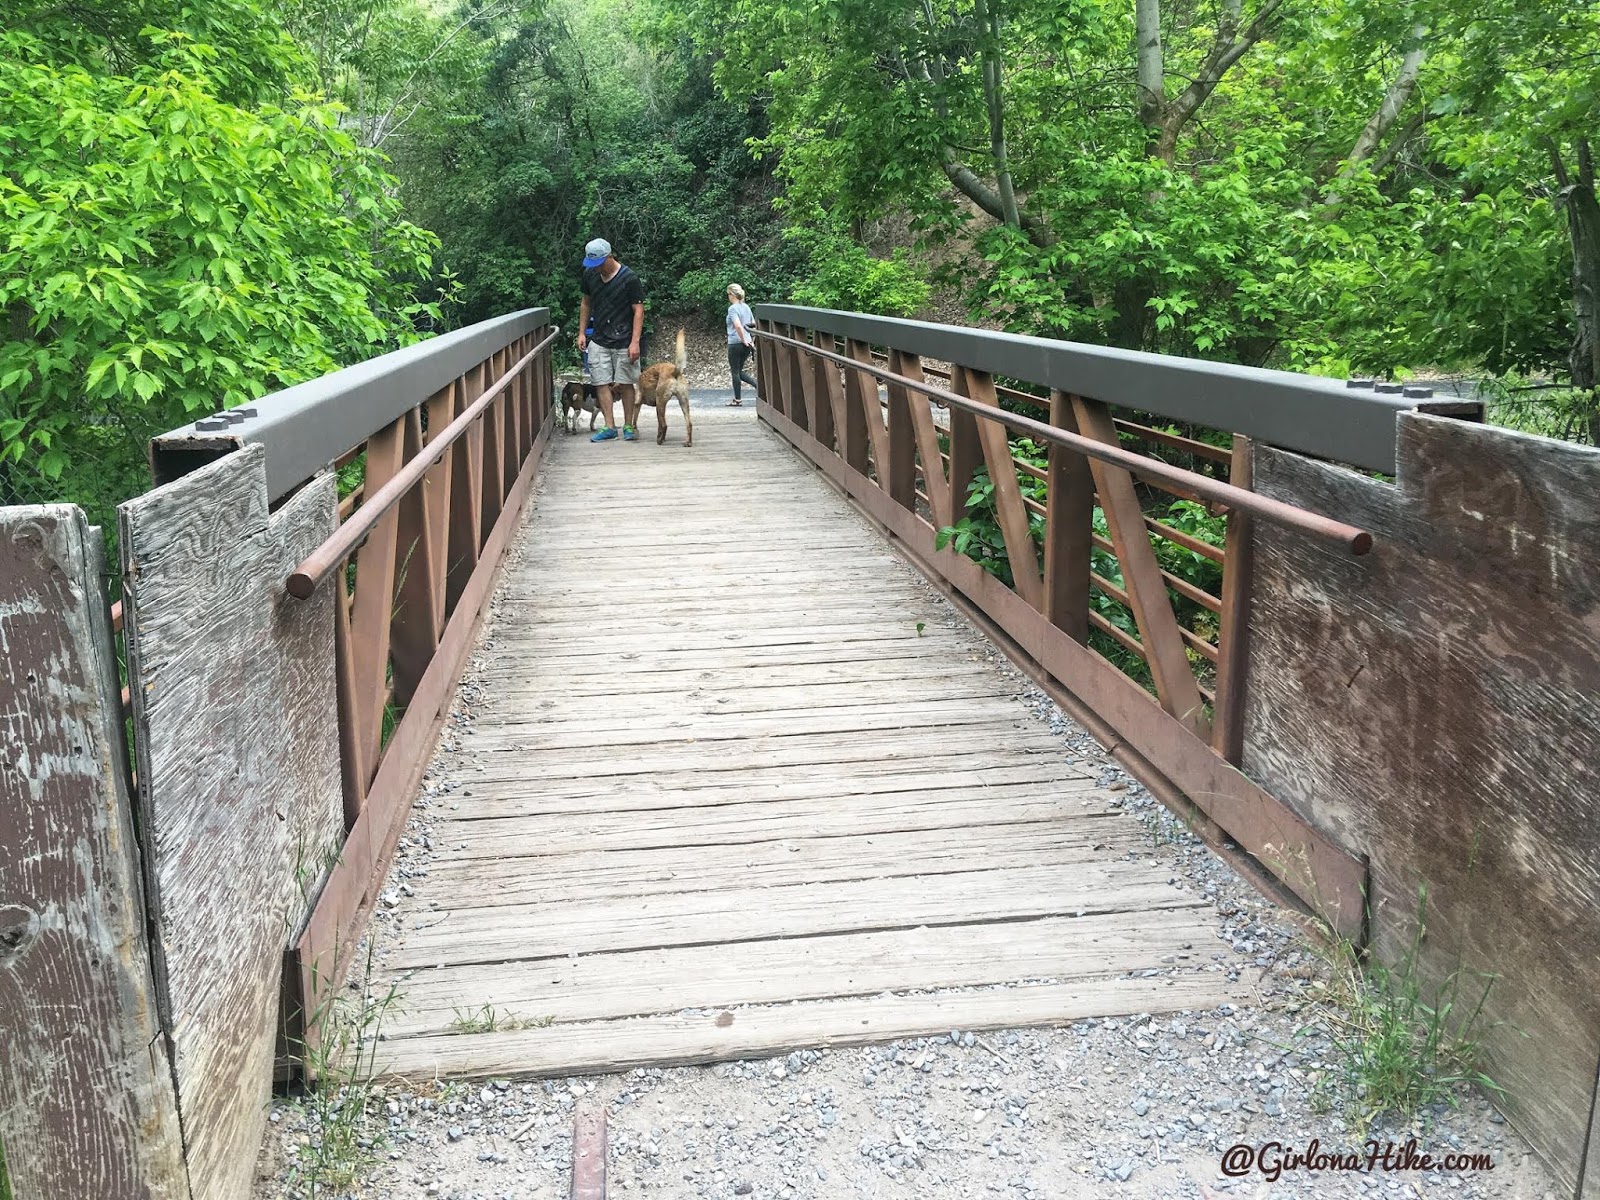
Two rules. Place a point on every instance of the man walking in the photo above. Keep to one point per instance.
(613, 302)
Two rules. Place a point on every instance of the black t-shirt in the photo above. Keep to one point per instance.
(611, 305)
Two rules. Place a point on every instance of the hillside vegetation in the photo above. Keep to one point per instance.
(200, 203)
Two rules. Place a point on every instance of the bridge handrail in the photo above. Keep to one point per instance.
(328, 557)
(306, 426)
(1348, 421)
(1348, 537)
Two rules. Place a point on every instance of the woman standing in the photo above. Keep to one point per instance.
(740, 340)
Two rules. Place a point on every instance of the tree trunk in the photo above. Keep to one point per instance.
(1393, 104)
(987, 13)
(1577, 196)
(1151, 77)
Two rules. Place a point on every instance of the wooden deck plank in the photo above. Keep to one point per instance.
(714, 757)
(513, 932)
(681, 1039)
(714, 793)
(740, 679)
(534, 800)
(636, 983)
(587, 875)
(691, 828)
(629, 730)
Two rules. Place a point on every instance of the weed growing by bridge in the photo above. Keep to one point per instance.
(341, 1057)
(489, 1020)
(1398, 1043)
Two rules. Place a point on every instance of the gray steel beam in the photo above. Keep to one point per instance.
(306, 427)
(1324, 417)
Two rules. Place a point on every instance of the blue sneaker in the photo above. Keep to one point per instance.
(628, 433)
(605, 435)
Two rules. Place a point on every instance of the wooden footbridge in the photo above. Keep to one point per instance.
(650, 754)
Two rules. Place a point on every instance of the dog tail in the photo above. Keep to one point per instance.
(680, 358)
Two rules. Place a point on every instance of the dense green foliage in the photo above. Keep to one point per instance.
(977, 535)
(180, 236)
(200, 203)
(568, 121)
(1336, 186)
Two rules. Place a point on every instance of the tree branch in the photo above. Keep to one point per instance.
(1394, 100)
(1228, 48)
(986, 198)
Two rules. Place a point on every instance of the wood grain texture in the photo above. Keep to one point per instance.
(239, 776)
(1438, 701)
(763, 1031)
(100, 1120)
(907, 958)
(748, 799)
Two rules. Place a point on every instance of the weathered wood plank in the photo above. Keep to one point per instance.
(775, 820)
(507, 932)
(564, 687)
(763, 1031)
(673, 727)
(693, 789)
(240, 784)
(100, 1120)
(1438, 701)
(636, 983)
(728, 757)
(592, 875)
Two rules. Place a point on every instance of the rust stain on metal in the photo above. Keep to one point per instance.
(589, 1154)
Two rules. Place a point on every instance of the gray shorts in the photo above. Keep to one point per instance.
(611, 366)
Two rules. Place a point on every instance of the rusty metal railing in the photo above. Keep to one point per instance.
(1079, 593)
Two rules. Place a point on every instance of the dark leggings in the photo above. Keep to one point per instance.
(738, 355)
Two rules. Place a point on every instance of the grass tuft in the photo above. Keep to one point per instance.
(1397, 1046)
(343, 1138)
(488, 1020)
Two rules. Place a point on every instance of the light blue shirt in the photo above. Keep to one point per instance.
(741, 310)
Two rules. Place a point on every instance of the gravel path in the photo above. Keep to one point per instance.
(1136, 1107)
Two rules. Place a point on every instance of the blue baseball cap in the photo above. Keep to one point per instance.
(596, 252)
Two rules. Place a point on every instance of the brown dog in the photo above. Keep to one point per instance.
(577, 395)
(656, 386)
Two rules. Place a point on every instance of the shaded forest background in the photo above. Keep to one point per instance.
(201, 203)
